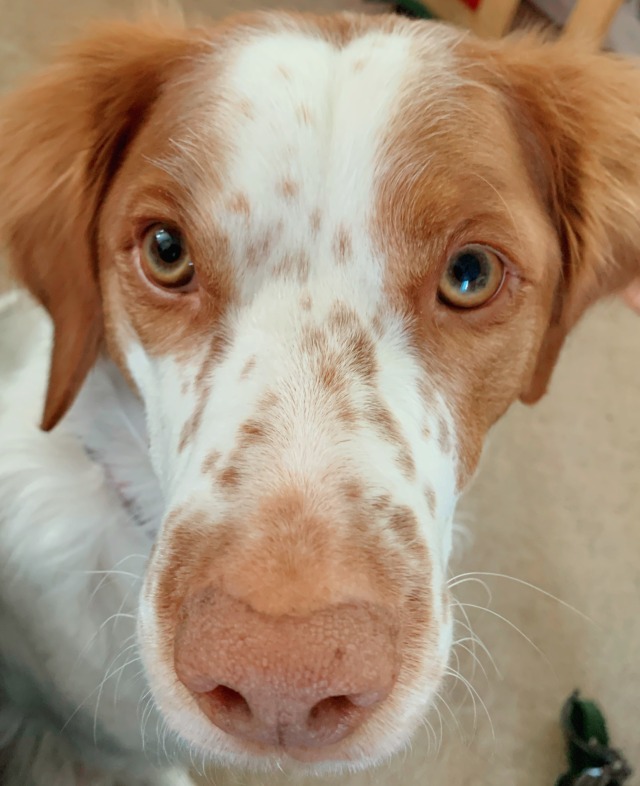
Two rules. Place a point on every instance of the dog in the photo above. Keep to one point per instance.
(284, 273)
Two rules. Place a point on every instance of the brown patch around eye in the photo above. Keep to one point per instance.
(342, 246)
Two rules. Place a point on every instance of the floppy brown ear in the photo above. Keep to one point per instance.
(578, 115)
(62, 137)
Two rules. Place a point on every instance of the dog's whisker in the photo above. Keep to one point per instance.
(468, 623)
(119, 679)
(517, 629)
(463, 681)
(93, 691)
(453, 715)
(441, 728)
(456, 580)
(472, 580)
(475, 695)
(476, 640)
(475, 657)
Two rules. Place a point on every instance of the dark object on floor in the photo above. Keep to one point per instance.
(592, 761)
(411, 8)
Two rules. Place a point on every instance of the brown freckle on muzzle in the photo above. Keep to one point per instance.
(407, 464)
(210, 464)
(288, 188)
(342, 247)
(239, 204)
(332, 378)
(404, 522)
(304, 115)
(314, 221)
(193, 423)
(430, 496)
(444, 436)
(363, 354)
(248, 367)
(252, 432)
(259, 248)
(294, 264)
(353, 490)
(202, 387)
(230, 477)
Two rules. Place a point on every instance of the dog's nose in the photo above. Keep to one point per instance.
(293, 682)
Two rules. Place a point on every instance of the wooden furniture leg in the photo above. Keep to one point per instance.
(591, 19)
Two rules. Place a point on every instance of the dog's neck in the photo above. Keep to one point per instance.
(109, 420)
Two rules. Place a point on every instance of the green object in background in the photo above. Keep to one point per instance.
(592, 761)
(411, 8)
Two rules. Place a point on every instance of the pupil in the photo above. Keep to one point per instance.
(470, 272)
(168, 245)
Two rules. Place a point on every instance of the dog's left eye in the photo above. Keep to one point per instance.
(473, 276)
(165, 257)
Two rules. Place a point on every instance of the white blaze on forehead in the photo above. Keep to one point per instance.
(306, 122)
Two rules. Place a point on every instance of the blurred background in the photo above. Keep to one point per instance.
(556, 505)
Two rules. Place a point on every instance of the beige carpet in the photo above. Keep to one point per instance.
(557, 504)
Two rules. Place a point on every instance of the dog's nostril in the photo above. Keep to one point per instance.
(228, 700)
(331, 712)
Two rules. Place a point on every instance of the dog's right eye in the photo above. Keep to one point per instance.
(165, 258)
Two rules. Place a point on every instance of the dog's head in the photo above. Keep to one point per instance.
(328, 254)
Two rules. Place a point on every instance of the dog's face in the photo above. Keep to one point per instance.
(328, 254)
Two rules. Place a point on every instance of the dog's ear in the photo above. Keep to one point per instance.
(62, 138)
(577, 113)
